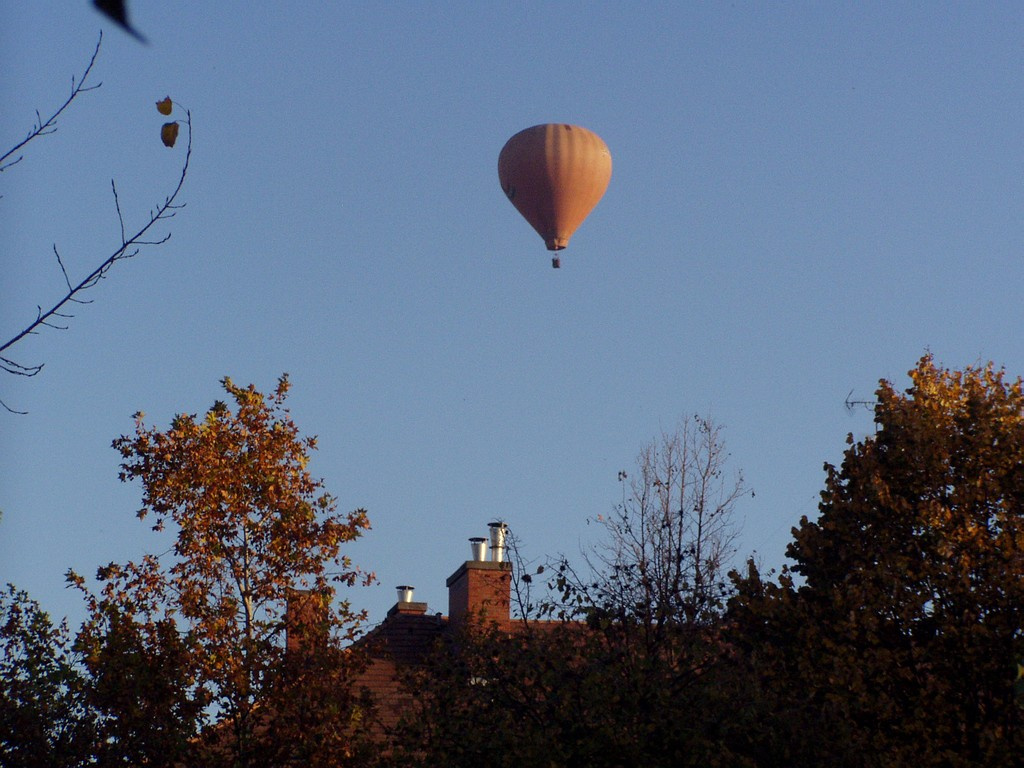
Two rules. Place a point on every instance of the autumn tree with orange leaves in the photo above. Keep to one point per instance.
(897, 637)
(187, 649)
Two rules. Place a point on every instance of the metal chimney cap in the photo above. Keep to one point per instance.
(498, 532)
(478, 548)
(405, 593)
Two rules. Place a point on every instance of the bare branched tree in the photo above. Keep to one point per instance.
(525, 606)
(624, 663)
(665, 555)
(131, 241)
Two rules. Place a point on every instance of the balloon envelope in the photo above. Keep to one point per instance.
(554, 174)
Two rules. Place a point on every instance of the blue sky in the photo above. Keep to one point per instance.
(806, 197)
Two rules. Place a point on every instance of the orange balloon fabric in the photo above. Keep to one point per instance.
(554, 174)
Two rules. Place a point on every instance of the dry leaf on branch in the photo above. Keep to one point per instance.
(169, 134)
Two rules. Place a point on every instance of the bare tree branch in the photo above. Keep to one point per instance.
(17, 369)
(8, 408)
(668, 544)
(129, 246)
(48, 126)
(67, 280)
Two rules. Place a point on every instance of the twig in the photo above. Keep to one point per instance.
(130, 246)
(868, 405)
(18, 369)
(8, 408)
(67, 280)
(45, 128)
(117, 205)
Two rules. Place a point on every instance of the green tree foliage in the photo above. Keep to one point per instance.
(193, 641)
(44, 717)
(143, 676)
(895, 638)
(561, 694)
(506, 698)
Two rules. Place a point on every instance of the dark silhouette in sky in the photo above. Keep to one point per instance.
(117, 11)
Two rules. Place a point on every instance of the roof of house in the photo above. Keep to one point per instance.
(405, 639)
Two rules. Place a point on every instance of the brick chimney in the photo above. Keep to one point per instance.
(405, 605)
(480, 589)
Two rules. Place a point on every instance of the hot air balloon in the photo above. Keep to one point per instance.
(554, 174)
